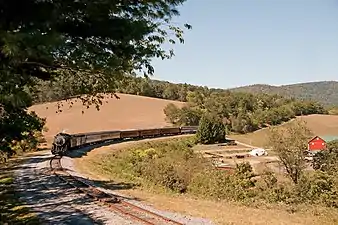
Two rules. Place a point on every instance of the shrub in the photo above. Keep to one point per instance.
(271, 190)
(172, 113)
(164, 173)
(318, 188)
(327, 160)
(19, 132)
(217, 184)
(169, 164)
(210, 183)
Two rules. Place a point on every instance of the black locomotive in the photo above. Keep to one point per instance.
(64, 142)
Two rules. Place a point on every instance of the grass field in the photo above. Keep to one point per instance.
(318, 124)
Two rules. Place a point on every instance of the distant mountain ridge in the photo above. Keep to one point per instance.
(325, 92)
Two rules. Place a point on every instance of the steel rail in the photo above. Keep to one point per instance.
(114, 202)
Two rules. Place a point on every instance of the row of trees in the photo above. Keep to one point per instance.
(58, 89)
(240, 112)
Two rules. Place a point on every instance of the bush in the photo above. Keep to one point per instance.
(185, 116)
(19, 132)
(210, 183)
(172, 113)
(217, 184)
(318, 188)
(270, 190)
(169, 164)
(172, 165)
(210, 130)
(164, 173)
(29, 142)
(327, 160)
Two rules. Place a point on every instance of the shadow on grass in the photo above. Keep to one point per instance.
(114, 186)
(12, 210)
(109, 185)
(36, 197)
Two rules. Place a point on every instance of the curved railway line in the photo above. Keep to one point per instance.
(114, 202)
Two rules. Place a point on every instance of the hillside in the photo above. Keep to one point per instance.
(325, 92)
(325, 125)
(133, 111)
(128, 112)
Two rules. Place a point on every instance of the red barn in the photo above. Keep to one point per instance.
(317, 143)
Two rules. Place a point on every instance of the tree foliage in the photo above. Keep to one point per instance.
(327, 160)
(289, 144)
(324, 92)
(87, 45)
(76, 47)
(108, 37)
(240, 112)
(182, 116)
(210, 130)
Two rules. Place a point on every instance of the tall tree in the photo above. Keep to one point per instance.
(88, 43)
(39, 38)
(289, 144)
(210, 130)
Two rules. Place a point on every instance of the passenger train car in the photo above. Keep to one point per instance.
(65, 142)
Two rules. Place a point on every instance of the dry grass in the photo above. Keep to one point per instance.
(225, 213)
(318, 124)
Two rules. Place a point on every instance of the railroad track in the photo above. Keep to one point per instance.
(114, 202)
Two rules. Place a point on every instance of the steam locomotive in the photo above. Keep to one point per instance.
(64, 142)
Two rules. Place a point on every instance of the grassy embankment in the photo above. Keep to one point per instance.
(171, 176)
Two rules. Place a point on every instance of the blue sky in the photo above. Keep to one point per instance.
(242, 42)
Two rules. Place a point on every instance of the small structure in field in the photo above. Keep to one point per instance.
(319, 143)
(258, 152)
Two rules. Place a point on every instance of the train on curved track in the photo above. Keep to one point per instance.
(64, 142)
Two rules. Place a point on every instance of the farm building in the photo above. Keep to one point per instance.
(319, 143)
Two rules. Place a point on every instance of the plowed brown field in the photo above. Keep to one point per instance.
(128, 112)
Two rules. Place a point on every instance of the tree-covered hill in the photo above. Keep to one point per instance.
(240, 112)
(325, 92)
